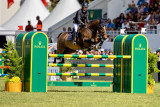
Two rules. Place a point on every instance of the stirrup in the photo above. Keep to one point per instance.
(74, 43)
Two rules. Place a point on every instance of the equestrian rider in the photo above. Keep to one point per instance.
(81, 19)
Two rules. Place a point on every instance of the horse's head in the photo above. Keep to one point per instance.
(102, 32)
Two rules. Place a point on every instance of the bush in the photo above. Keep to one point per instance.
(152, 62)
(12, 59)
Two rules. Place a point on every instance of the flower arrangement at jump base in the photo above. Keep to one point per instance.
(67, 70)
(152, 61)
(13, 79)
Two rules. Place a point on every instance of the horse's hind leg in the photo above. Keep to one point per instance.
(61, 50)
(54, 60)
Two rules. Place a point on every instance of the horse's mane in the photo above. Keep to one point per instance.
(94, 23)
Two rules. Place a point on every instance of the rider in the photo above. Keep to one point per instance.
(81, 19)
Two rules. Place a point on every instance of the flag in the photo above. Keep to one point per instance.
(20, 27)
(10, 2)
(44, 2)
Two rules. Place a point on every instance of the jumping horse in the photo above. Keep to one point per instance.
(88, 36)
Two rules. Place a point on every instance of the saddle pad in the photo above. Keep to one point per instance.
(70, 37)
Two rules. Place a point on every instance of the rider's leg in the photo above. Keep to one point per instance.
(75, 33)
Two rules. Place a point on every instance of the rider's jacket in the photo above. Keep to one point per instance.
(81, 17)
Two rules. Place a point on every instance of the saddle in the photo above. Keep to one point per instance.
(71, 37)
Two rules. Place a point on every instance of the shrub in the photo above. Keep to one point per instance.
(152, 62)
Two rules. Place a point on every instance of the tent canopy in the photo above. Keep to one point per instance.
(61, 11)
(29, 10)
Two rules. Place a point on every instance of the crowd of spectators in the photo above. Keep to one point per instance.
(144, 14)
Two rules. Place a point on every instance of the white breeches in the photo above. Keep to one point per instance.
(76, 27)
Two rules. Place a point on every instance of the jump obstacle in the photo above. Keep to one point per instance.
(1, 64)
(129, 66)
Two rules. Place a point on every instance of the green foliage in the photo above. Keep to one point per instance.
(55, 2)
(88, 1)
(152, 62)
(66, 69)
(6, 79)
(12, 59)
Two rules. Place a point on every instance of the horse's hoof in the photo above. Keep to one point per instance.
(92, 40)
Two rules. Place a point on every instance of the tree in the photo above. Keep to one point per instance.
(152, 62)
(55, 2)
(12, 59)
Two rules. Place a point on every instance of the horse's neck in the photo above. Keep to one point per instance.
(94, 28)
(94, 25)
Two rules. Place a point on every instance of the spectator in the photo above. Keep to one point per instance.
(110, 25)
(129, 16)
(158, 9)
(96, 52)
(64, 29)
(155, 2)
(134, 9)
(140, 2)
(80, 52)
(141, 24)
(118, 24)
(102, 52)
(148, 1)
(150, 8)
(128, 9)
(92, 52)
(151, 2)
(156, 17)
(29, 27)
(159, 17)
(146, 7)
(155, 7)
(125, 24)
(140, 9)
(148, 17)
(106, 52)
(121, 17)
(87, 53)
(114, 23)
(69, 29)
(136, 17)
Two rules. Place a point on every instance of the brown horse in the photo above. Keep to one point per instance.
(88, 36)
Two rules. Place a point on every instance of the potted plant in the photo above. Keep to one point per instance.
(152, 62)
(11, 58)
(66, 70)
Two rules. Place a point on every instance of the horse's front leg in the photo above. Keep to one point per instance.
(100, 45)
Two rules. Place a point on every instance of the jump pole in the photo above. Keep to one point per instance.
(80, 74)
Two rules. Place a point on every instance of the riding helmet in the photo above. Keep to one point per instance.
(84, 4)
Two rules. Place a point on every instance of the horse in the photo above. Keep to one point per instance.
(88, 36)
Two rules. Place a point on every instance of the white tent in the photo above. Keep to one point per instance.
(29, 10)
(61, 11)
(5, 12)
(1, 29)
(4, 32)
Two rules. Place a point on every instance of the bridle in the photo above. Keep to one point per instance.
(101, 33)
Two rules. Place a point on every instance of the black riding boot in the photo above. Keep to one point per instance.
(74, 38)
